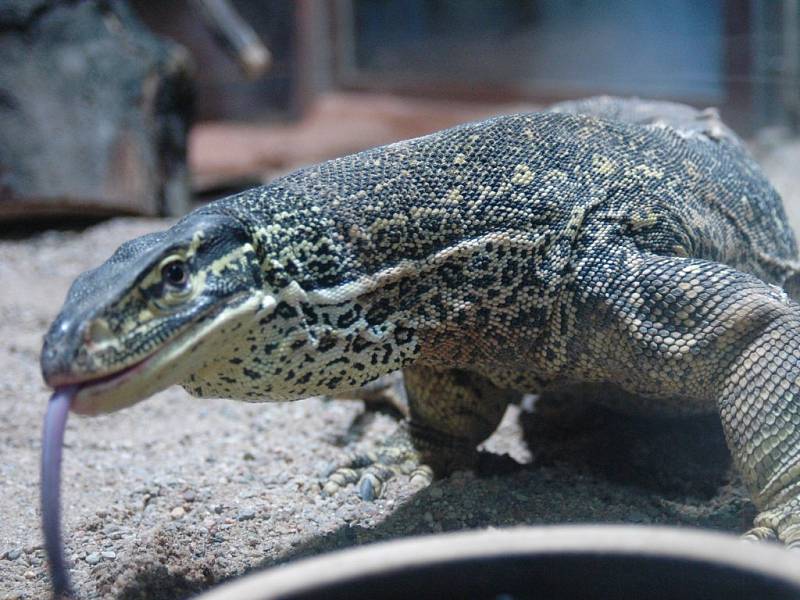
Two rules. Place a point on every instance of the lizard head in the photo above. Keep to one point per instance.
(142, 320)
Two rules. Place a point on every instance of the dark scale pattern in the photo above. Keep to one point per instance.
(632, 254)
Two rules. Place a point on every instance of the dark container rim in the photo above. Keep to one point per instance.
(553, 562)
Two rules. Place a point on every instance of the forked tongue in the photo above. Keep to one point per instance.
(55, 423)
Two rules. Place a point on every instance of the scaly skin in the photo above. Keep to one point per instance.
(633, 254)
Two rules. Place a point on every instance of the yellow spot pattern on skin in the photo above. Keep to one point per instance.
(642, 219)
(649, 171)
(555, 175)
(454, 197)
(602, 164)
(197, 240)
(522, 175)
(420, 212)
(459, 159)
(239, 255)
(355, 232)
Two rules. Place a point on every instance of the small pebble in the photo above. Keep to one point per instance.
(246, 514)
(177, 512)
(108, 554)
(14, 553)
(30, 575)
(189, 496)
(92, 558)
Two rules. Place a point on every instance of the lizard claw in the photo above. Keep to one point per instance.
(370, 487)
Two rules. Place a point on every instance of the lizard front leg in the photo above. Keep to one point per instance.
(451, 411)
(760, 407)
(691, 332)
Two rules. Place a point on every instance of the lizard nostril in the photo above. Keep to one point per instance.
(98, 331)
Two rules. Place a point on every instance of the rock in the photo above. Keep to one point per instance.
(14, 553)
(246, 513)
(17, 13)
(121, 99)
(92, 558)
(177, 512)
(108, 554)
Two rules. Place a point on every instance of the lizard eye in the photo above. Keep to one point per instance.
(175, 274)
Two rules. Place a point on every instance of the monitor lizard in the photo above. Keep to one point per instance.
(624, 252)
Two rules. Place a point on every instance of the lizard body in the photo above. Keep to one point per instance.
(627, 252)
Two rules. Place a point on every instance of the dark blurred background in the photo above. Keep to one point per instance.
(160, 105)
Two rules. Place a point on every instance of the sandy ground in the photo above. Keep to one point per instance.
(176, 494)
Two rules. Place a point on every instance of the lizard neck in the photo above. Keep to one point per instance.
(324, 325)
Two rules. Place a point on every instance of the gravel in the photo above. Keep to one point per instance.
(176, 494)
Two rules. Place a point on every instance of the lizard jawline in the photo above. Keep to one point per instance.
(155, 372)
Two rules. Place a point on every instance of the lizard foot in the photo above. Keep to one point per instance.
(780, 524)
(372, 470)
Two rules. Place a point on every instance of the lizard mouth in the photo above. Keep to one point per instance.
(60, 381)
(104, 385)
(88, 389)
(164, 367)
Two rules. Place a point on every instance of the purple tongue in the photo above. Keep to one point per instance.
(55, 423)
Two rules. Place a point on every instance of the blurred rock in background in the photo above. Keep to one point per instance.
(95, 103)
(94, 112)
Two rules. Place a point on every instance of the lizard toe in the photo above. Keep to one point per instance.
(421, 477)
(339, 479)
(781, 524)
(791, 537)
(372, 470)
(760, 534)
